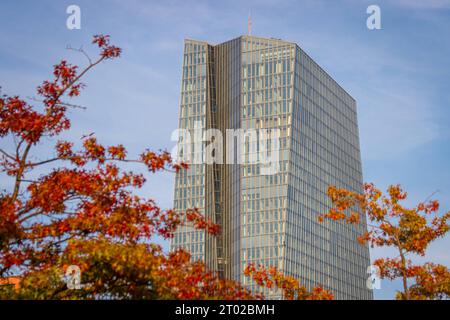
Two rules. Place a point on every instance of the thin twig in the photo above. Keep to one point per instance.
(7, 155)
(67, 104)
(69, 47)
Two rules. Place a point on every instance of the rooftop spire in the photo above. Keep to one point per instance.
(249, 26)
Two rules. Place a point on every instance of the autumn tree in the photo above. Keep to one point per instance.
(81, 209)
(291, 288)
(408, 230)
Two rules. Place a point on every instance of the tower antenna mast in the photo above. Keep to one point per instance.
(249, 25)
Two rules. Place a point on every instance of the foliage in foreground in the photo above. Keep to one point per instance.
(408, 230)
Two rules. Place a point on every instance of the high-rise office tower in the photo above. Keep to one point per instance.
(272, 219)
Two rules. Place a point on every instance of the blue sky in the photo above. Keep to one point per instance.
(399, 75)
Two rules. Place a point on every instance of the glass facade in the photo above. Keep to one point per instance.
(259, 83)
(190, 188)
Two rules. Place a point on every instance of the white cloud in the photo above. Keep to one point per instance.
(394, 118)
(423, 4)
(395, 110)
(180, 16)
